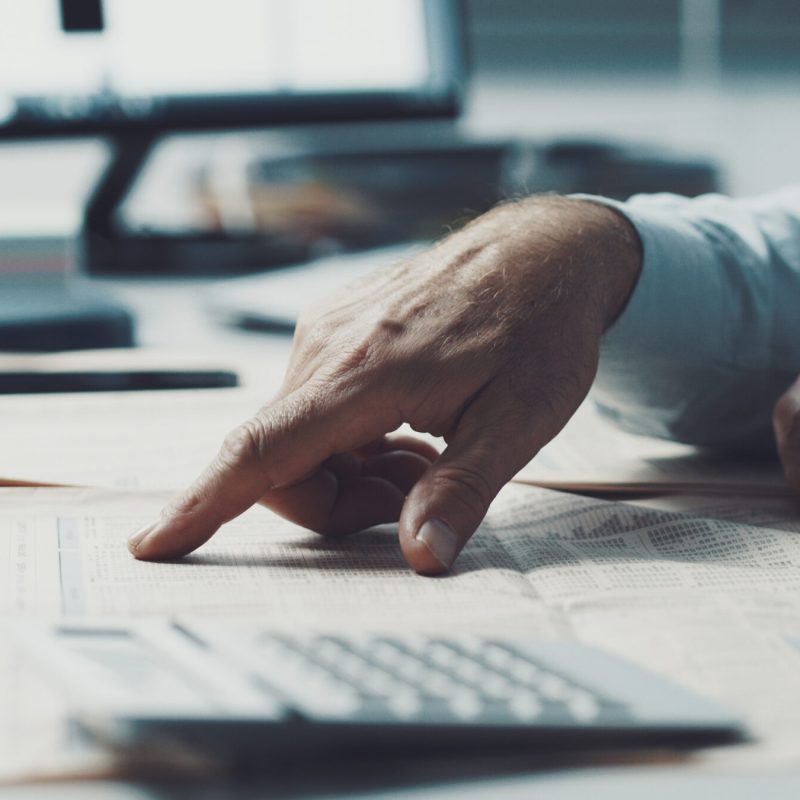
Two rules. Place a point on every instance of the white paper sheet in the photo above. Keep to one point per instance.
(162, 440)
(593, 454)
(132, 440)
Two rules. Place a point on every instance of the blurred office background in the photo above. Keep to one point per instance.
(718, 78)
(706, 82)
(659, 39)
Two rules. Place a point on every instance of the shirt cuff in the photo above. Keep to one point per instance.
(677, 308)
(676, 363)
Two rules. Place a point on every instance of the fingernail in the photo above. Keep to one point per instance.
(139, 536)
(440, 539)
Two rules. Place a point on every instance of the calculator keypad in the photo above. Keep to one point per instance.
(424, 680)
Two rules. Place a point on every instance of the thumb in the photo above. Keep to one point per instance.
(786, 423)
(448, 502)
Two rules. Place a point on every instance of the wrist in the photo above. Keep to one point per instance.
(611, 251)
(553, 248)
(595, 248)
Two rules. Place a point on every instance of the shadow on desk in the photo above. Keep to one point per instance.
(376, 776)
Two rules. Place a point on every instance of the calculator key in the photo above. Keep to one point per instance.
(498, 657)
(465, 705)
(583, 706)
(552, 687)
(405, 704)
(470, 671)
(524, 672)
(387, 654)
(440, 684)
(411, 669)
(328, 650)
(525, 706)
(470, 645)
(443, 656)
(379, 683)
(498, 687)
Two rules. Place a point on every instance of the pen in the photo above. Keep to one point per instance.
(114, 381)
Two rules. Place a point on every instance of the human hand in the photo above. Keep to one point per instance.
(489, 339)
(786, 424)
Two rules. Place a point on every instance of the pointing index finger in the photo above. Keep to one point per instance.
(278, 446)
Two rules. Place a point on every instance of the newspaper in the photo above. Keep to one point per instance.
(712, 604)
(779, 513)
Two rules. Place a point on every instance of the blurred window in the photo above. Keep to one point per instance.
(688, 39)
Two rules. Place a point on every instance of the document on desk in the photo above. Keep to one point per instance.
(64, 557)
(709, 603)
(132, 440)
(592, 454)
(162, 440)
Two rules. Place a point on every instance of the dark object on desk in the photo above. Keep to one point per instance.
(376, 194)
(349, 190)
(346, 193)
(107, 381)
(609, 169)
(82, 16)
(47, 313)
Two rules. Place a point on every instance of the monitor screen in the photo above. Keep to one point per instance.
(87, 66)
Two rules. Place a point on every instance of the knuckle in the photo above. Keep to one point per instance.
(786, 416)
(313, 337)
(362, 364)
(304, 324)
(786, 423)
(370, 345)
(184, 505)
(245, 444)
(792, 474)
(317, 329)
(356, 358)
(469, 485)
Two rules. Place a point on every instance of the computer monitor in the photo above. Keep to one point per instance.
(120, 66)
(132, 70)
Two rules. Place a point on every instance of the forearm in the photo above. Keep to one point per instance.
(711, 335)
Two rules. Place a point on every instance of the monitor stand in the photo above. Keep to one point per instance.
(107, 248)
(101, 240)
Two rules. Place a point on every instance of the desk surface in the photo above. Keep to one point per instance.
(579, 784)
(171, 315)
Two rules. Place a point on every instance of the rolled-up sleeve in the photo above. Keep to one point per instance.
(711, 334)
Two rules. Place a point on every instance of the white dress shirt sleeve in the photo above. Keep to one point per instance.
(711, 334)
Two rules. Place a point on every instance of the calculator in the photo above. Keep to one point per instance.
(247, 693)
